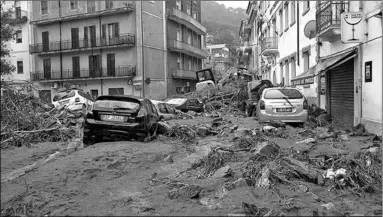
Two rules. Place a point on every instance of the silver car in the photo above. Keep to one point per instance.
(283, 104)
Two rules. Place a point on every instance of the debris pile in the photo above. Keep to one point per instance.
(25, 119)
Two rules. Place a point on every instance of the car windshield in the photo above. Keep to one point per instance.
(283, 94)
(176, 101)
(116, 104)
(64, 95)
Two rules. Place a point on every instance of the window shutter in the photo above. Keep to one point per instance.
(116, 30)
(103, 31)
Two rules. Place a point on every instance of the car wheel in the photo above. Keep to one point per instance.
(87, 141)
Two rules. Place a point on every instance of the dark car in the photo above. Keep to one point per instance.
(186, 105)
(121, 116)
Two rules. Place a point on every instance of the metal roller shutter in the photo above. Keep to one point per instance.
(341, 85)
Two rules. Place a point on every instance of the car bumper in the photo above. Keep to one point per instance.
(94, 128)
(293, 118)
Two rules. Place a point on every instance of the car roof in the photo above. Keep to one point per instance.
(121, 97)
(157, 101)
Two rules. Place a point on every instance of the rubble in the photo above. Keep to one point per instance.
(25, 119)
(189, 191)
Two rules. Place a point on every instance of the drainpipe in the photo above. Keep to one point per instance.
(142, 44)
(297, 33)
(165, 51)
(101, 81)
(359, 77)
(319, 83)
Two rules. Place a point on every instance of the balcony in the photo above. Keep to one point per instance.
(19, 16)
(328, 19)
(184, 74)
(269, 46)
(123, 40)
(85, 74)
(64, 14)
(182, 47)
(185, 19)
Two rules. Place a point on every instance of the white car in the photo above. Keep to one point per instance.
(165, 110)
(73, 100)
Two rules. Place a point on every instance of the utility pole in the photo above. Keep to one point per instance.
(142, 45)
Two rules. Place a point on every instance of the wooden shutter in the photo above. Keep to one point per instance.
(103, 34)
(45, 37)
(85, 36)
(91, 69)
(75, 37)
(111, 64)
(116, 30)
(93, 35)
(76, 66)
(47, 68)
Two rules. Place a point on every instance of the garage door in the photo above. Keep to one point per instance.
(341, 97)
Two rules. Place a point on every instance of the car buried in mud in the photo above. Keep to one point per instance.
(73, 99)
(284, 104)
(166, 111)
(121, 117)
(185, 104)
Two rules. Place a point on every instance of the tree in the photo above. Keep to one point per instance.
(7, 34)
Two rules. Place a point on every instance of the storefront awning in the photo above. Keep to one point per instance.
(325, 64)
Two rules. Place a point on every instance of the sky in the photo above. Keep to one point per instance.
(235, 4)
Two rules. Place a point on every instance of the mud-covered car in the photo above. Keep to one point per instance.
(121, 117)
(185, 105)
(166, 111)
(73, 99)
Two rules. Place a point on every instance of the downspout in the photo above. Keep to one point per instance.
(61, 54)
(142, 53)
(101, 81)
(297, 33)
(359, 78)
(165, 51)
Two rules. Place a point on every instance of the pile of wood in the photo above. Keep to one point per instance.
(25, 119)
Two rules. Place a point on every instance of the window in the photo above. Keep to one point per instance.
(73, 5)
(189, 37)
(179, 38)
(281, 72)
(178, 4)
(280, 23)
(108, 4)
(76, 66)
(188, 10)
(195, 15)
(75, 38)
(293, 68)
(94, 93)
(44, 7)
(292, 10)
(190, 65)
(91, 6)
(111, 64)
(274, 27)
(306, 62)
(20, 68)
(116, 91)
(18, 11)
(287, 73)
(286, 15)
(306, 7)
(179, 62)
(19, 37)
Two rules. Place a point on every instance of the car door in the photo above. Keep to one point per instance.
(153, 116)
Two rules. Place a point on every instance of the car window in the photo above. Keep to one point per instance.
(64, 95)
(170, 109)
(162, 108)
(111, 104)
(86, 96)
(283, 93)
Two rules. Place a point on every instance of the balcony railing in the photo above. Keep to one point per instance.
(121, 71)
(91, 43)
(269, 45)
(183, 18)
(63, 13)
(183, 47)
(328, 15)
(19, 16)
(184, 74)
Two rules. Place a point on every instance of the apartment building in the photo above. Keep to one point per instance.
(247, 51)
(186, 44)
(330, 73)
(219, 58)
(115, 47)
(19, 46)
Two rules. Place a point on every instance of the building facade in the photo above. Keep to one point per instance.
(113, 47)
(219, 58)
(19, 46)
(299, 45)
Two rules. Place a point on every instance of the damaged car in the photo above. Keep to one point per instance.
(185, 105)
(73, 99)
(166, 111)
(121, 117)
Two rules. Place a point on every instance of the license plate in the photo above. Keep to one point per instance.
(112, 118)
(284, 110)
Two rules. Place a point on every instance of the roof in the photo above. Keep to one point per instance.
(215, 46)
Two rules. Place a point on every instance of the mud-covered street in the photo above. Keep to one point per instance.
(233, 168)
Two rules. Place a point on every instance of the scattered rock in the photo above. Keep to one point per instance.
(241, 182)
(233, 128)
(74, 145)
(328, 206)
(331, 174)
(276, 123)
(222, 172)
(189, 191)
(320, 180)
(275, 212)
(253, 210)
(268, 128)
(192, 113)
(314, 196)
(321, 130)
(203, 131)
(267, 149)
(344, 137)
(243, 131)
(168, 159)
(327, 135)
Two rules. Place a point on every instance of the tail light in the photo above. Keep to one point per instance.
(262, 105)
(305, 105)
(77, 99)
